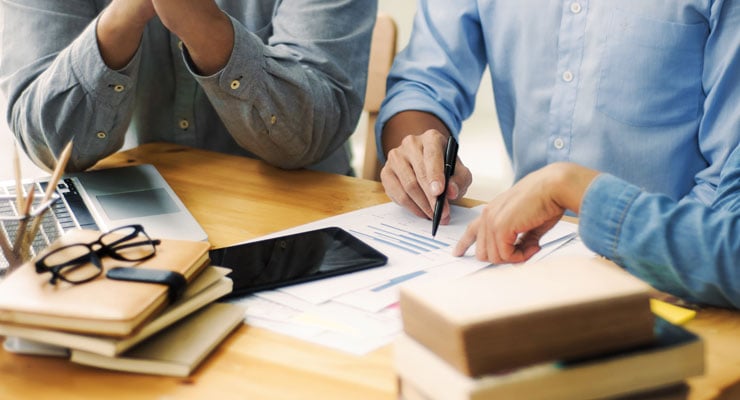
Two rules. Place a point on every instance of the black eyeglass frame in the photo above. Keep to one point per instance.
(94, 255)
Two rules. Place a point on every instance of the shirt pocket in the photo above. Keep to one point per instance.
(651, 71)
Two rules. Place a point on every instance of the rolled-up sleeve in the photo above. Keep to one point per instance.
(685, 248)
(441, 67)
(297, 98)
(57, 85)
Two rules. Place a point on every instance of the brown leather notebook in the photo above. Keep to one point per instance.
(103, 306)
(207, 287)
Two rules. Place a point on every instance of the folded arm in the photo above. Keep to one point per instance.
(290, 96)
(57, 85)
(296, 99)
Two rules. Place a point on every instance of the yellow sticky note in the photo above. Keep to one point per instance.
(671, 313)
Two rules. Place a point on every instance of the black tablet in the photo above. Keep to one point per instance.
(290, 259)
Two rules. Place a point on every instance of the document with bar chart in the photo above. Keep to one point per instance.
(358, 312)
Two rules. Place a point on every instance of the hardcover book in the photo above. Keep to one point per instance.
(675, 355)
(177, 350)
(511, 316)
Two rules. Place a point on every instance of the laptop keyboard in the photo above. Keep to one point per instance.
(67, 212)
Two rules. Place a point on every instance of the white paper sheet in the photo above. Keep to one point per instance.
(358, 312)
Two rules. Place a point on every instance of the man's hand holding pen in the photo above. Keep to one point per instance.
(449, 169)
(414, 175)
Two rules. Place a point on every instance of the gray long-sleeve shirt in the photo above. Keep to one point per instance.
(290, 94)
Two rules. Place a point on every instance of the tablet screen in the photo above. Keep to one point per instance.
(301, 257)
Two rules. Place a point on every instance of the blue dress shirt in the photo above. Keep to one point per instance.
(684, 248)
(290, 94)
(647, 91)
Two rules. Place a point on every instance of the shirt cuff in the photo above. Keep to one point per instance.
(241, 73)
(109, 87)
(407, 99)
(604, 209)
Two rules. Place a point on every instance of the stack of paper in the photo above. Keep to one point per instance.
(358, 312)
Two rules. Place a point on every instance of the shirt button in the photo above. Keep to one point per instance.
(119, 88)
(235, 84)
(184, 124)
(567, 76)
(558, 143)
(575, 7)
(101, 135)
(273, 120)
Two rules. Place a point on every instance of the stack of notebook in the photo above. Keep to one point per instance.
(123, 325)
(564, 328)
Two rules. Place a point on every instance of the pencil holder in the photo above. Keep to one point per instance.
(19, 234)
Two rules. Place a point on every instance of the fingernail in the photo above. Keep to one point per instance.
(454, 190)
(435, 187)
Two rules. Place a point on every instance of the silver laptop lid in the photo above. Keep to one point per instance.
(136, 195)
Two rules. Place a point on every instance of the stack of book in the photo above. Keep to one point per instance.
(563, 328)
(122, 325)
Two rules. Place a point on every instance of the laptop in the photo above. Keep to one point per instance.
(106, 199)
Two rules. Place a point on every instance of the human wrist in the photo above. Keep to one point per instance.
(208, 35)
(569, 184)
(119, 31)
(122, 19)
(410, 122)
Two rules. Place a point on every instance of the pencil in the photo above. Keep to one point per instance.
(20, 236)
(10, 255)
(30, 234)
(29, 201)
(18, 178)
(58, 171)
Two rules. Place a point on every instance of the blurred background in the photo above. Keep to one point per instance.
(481, 147)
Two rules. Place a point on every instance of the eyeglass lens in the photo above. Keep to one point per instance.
(129, 243)
(74, 263)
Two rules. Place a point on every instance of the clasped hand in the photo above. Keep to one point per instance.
(200, 24)
(176, 15)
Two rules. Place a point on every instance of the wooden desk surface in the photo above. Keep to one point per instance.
(236, 199)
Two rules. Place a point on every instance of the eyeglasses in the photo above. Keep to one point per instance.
(81, 262)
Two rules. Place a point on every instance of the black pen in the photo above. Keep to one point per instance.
(450, 159)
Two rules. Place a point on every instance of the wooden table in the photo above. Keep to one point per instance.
(236, 199)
